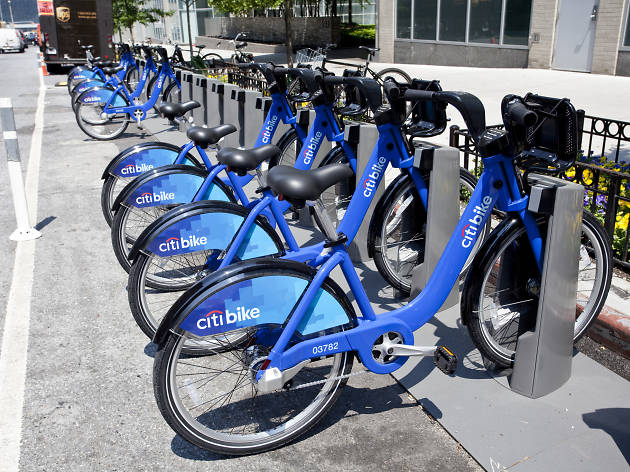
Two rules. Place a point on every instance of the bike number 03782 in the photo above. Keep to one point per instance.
(325, 348)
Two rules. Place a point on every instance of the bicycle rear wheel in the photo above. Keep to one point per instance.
(500, 299)
(212, 400)
(92, 122)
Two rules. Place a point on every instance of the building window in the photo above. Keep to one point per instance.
(424, 14)
(403, 19)
(517, 17)
(465, 21)
(453, 20)
(485, 21)
(626, 39)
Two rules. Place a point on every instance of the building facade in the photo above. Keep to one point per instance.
(174, 28)
(578, 35)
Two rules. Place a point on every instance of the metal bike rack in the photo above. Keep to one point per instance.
(187, 86)
(231, 113)
(363, 137)
(253, 118)
(213, 99)
(199, 94)
(543, 356)
(442, 163)
(305, 117)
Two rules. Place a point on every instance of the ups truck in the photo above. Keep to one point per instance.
(65, 25)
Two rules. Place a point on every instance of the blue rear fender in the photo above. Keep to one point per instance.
(207, 225)
(102, 95)
(142, 158)
(262, 293)
(170, 185)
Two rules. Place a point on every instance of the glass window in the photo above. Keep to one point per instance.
(626, 41)
(403, 19)
(485, 21)
(453, 20)
(517, 17)
(424, 19)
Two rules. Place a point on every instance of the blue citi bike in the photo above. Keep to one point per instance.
(281, 334)
(222, 232)
(104, 114)
(139, 158)
(133, 90)
(175, 185)
(96, 69)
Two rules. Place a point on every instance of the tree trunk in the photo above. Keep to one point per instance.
(288, 28)
(188, 24)
(349, 11)
(333, 9)
(131, 34)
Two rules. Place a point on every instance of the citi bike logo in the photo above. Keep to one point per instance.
(131, 169)
(369, 184)
(217, 318)
(91, 99)
(148, 197)
(173, 244)
(472, 228)
(268, 130)
(311, 149)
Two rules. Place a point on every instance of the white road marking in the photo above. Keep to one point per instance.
(16, 325)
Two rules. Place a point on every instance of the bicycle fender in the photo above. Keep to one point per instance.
(138, 159)
(102, 94)
(179, 180)
(488, 249)
(83, 74)
(262, 292)
(88, 84)
(207, 225)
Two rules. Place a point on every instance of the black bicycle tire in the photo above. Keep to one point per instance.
(80, 123)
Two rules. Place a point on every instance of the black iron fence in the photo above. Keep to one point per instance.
(601, 169)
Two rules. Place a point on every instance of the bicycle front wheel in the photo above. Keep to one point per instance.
(500, 296)
(398, 229)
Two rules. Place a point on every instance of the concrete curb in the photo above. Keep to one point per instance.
(612, 329)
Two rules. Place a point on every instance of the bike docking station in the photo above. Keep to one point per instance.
(442, 165)
(499, 417)
(24, 231)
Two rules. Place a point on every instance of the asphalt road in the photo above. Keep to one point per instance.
(88, 401)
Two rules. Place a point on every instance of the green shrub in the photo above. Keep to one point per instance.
(353, 35)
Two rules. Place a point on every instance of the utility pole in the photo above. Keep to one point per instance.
(11, 11)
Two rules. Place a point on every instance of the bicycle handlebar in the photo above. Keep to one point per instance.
(519, 114)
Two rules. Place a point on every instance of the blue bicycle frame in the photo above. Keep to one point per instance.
(497, 187)
(115, 84)
(126, 59)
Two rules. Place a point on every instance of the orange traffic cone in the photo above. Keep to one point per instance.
(44, 69)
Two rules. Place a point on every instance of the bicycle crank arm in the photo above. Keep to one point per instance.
(408, 350)
(274, 378)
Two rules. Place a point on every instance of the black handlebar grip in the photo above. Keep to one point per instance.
(391, 89)
(419, 95)
(518, 113)
(333, 80)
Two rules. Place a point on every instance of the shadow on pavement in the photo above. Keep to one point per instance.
(352, 402)
(615, 422)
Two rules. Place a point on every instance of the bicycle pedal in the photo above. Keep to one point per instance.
(445, 360)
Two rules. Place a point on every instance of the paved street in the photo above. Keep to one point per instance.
(88, 397)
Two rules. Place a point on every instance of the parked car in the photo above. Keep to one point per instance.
(11, 40)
